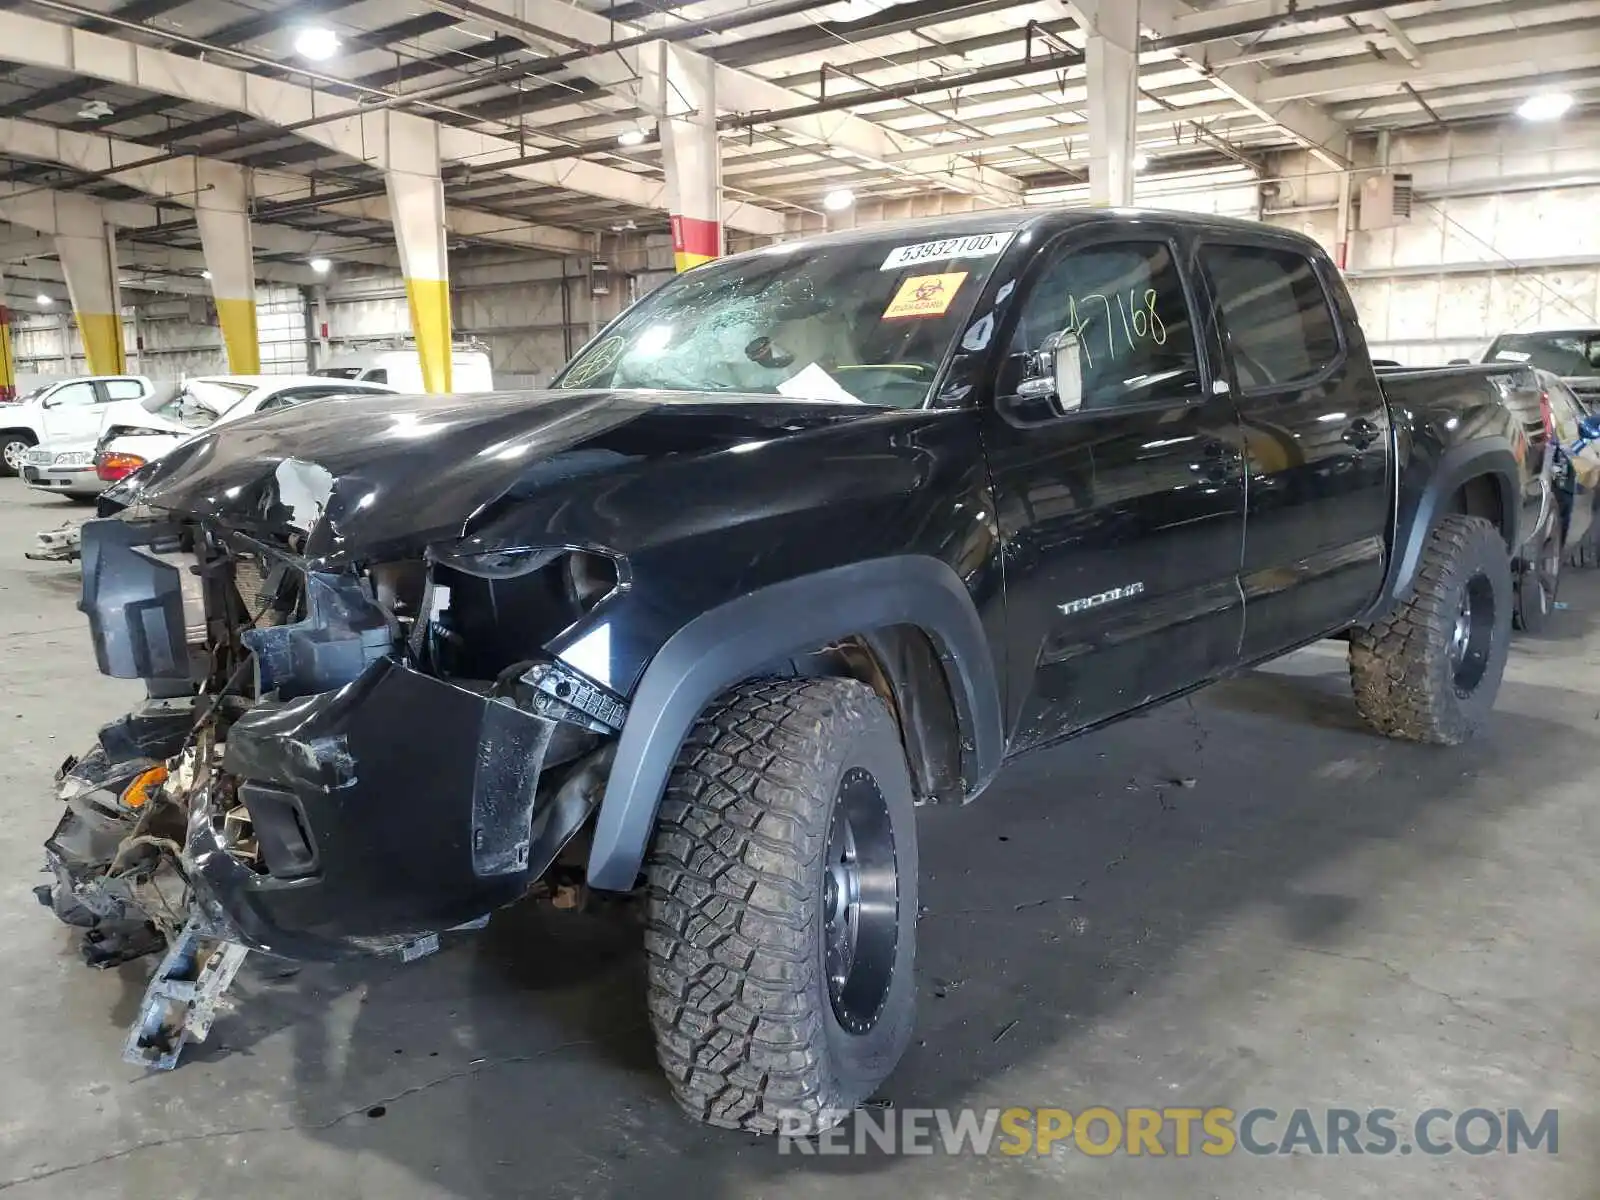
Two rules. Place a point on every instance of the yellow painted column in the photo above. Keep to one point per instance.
(222, 211)
(416, 203)
(87, 248)
(8, 362)
(689, 153)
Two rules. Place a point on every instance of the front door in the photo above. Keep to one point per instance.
(72, 413)
(1123, 521)
(1316, 440)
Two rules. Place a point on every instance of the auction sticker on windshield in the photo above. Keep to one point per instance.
(977, 245)
(925, 295)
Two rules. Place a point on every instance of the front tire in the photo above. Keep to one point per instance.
(14, 449)
(781, 907)
(1430, 670)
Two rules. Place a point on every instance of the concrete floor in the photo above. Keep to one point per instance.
(1323, 919)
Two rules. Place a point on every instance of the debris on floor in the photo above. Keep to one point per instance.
(56, 545)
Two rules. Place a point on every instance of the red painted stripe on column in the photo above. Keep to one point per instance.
(691, 235)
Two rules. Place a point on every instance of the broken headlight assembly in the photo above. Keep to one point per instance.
(486, 610)
(587, 576)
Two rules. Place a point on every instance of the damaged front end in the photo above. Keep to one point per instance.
(332, 760)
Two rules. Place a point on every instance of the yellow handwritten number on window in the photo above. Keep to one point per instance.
(1138, 321)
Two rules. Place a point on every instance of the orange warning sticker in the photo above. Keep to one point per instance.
(925, 295)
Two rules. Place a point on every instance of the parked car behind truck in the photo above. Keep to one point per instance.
(1571, 354)
(804, 538)
(59, 411)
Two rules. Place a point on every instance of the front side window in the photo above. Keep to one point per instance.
(868, 322)
(1280, 327)
(74, 395)
(1125, 302)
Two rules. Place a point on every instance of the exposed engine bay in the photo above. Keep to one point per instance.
(330, 762)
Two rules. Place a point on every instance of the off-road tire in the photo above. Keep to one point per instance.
(1401, 668)
(739, 998)
(1536, 588)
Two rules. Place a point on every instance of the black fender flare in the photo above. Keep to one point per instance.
(729, 643)
(1417, 514)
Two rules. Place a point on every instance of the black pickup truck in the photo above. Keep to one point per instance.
(805, 538)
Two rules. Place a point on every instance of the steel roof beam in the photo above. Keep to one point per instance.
(740, 91)
(365, 133)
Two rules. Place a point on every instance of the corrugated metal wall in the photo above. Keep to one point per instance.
(179, 337)
(1502, 237)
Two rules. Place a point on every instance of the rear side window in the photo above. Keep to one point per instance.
(376, 375)
(1281, 329)
(123, 389)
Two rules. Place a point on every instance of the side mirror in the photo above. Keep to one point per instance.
(1592, 351)
(1058, 374)
(1589, 428)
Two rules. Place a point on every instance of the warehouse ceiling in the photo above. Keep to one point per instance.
(979, 98)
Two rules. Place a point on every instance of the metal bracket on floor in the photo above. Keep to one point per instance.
(181, 1001)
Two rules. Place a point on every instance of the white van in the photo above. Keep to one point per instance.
(402, 370)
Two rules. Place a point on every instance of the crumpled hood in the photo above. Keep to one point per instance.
(375, 473)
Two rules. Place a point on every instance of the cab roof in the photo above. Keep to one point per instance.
(1043, 220)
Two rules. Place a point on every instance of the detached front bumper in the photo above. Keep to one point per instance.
(358, 803)
(396, 806)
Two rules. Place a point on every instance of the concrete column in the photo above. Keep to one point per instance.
(690, 154)
(416, 202)
(222, 211)
(87, 248)
(1112, 52)
(8, 362)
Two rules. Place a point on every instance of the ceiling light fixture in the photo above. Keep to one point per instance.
(631, 137)
(43, 301)
(95, 110)
(1140, 161)
(205, 274)
(321, 266)
(1546, 106)
(316, 43)
(838, 200)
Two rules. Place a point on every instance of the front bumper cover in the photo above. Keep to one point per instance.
(396, 806)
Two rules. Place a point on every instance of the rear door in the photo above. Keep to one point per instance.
(1122, 522)
(1316, 440)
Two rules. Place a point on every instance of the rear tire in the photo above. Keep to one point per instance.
(777, 1004)
(1429, 671)
(1538, 583)
(1587, 552)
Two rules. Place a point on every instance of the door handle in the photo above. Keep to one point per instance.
(1215, 463)
(1361, 433)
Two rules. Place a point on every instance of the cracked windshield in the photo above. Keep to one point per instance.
(868, 322)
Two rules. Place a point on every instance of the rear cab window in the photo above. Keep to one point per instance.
(1279, 320)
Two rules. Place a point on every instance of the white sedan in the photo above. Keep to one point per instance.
(133, 436)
